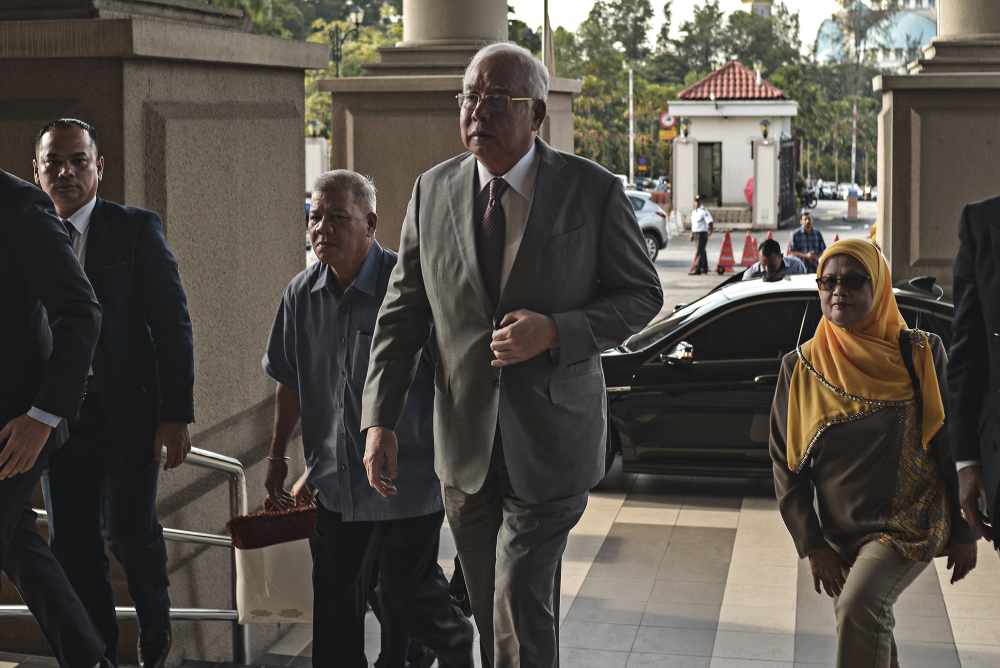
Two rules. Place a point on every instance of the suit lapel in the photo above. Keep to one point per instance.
(461, 209)
(545, 203)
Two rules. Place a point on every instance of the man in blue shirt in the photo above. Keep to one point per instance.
(318, 354)
(807, 243)
(772, 265)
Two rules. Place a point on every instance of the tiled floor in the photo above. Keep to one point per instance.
(679, 574)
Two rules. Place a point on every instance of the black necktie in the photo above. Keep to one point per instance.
(71, 231)
(492, 237)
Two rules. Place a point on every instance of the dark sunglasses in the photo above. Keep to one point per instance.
(849, 281)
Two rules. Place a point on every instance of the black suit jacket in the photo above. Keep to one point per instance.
(41, 363)
(974, 367)
(144, 362)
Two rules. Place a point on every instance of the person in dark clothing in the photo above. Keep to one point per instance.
(51, 325)
(139, 400)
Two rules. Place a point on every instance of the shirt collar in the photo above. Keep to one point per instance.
(80, 220)
(520, 177)
(365, 281)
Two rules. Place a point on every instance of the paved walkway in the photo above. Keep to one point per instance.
(680, 574)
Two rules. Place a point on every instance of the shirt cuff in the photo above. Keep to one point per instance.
(966, 463)
(48, 419)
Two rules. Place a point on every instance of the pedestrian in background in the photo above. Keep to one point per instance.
(863, 472)
(772, 265)
(974, 373)
(807, 242)
(702, 225)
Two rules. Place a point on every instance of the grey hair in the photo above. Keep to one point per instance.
(535, 74)
(361, 187)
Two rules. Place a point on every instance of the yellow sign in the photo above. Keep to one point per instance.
(668, 134)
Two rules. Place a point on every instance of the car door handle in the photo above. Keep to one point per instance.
(766, 379)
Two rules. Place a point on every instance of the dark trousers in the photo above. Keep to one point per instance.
(701, 256)
(413, 593)
(511, 553)
(96, 492)
(39, 578)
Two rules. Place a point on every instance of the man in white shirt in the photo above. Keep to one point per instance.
(702, 225)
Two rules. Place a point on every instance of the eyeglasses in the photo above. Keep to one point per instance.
(497, 103)
(849, 281)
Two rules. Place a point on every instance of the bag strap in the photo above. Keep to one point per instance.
(906, 349)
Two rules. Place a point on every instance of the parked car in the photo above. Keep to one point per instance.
(873, 193)
(826, 190)
(691, 394)
(652, 221)
(844, 190)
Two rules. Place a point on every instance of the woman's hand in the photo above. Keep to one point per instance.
(829, 570)
(961, 560)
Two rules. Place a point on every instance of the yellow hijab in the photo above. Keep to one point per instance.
(864, 362)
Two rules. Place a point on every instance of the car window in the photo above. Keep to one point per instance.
(759, 330)
(637, 202)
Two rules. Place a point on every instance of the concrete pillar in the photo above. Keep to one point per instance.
(936, 134)
(204, 126)
(962, 18)
(395, 125)
(685, 178)
(766, 184)
(445, 22)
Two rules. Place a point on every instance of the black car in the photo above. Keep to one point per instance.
(691, 394)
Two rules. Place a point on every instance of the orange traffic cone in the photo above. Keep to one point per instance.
(770, 236)
(726, 261)
(749, 251)
(836, 238)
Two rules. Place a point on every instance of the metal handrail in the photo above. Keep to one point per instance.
(238, 506)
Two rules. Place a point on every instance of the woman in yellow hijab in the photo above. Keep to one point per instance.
(862, 469)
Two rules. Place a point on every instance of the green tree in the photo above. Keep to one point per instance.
(630, 21)
(771, 41)
(702, 46)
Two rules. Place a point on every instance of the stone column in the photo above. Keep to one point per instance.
(404, 120)
(685, 178)
(204, 125)
(937, 133)
(766, 184)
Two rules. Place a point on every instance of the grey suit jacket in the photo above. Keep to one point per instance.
(581, 261)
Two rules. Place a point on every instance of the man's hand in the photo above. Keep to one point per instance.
(381, 450)
(961, 560)
(970, 489)
(829, 570)
(274, 483)
(522, 335)
(174, 436)
(24, 438)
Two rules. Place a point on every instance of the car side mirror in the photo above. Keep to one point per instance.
(682, 353)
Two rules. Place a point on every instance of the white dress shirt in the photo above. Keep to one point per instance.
(516, 202)
(80, 220)
(701, 218)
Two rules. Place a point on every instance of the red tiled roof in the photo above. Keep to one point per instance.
(733, 81)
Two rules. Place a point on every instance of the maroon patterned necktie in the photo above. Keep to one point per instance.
(491, 237)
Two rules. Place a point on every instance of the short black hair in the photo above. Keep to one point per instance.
(64, 124)
(698, 198)
(770, 248)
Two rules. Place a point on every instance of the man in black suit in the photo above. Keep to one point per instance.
(139, 395)
(974, 366)
(42, 371)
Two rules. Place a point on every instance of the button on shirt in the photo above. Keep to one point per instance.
(700, 219)
(319, 347)
(516, 202)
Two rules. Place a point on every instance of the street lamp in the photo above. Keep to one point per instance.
(338, 36)
(764, 126)
(685, 126)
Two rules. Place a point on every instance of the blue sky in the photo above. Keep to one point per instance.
(570, 13)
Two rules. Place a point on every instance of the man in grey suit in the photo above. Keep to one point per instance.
(528, 263)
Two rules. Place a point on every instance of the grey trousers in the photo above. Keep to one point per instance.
(511, 552)
(864, 608)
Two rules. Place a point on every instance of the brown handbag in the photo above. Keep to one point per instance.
(271, 525)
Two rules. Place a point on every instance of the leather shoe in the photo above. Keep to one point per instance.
(153, 651)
